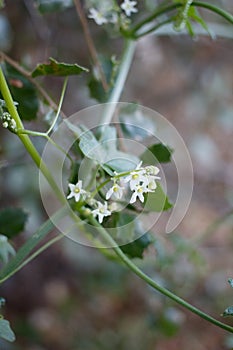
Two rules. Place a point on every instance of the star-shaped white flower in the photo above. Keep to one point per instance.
(76, 191)
(101, 211)
(135, 177)
(129, 7)
(97, 16)
(138, 192)
(115, 191)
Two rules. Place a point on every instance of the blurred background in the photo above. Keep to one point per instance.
(73, 298)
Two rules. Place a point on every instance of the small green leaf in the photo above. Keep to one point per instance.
(2, 3)
(6, 249)
(2, 301)
(228, 311)
(12, 221)
(135, 249)
(6, 331)
(193, 14)
(57, 69)
(157, 201)
(230, 281)
(24, 92)
(49, 6)
(90, 147)
(27, 248)
(157, 153)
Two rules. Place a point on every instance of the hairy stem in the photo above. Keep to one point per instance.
(25, 139)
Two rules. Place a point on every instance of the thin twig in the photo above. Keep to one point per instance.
(90, 43)
(27, 74)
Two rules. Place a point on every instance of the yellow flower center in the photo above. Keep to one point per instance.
(77, 190)
(140, 190)
(102, 210)
(135, 176)
(115, 189)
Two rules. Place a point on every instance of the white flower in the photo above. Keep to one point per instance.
(101, 211)
(76, 191)
(152, 170)
(97, 16)
(116, 191)
(136, 176)
(152, 185)
(138, 192)
(129, 7)
(5, 125)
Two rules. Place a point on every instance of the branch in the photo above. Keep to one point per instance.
(90, 43)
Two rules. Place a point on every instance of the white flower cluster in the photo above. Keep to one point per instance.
(8, 122)
(100, 16)
(141, 180)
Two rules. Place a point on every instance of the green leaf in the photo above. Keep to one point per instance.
(135, 124)
(90, 147)
(105, 152)
(193, 14)
(157, 153)
(2, 3)
(12, 221)
(109, 67)
(230, 281)
(24, 92)
(2, 301)
(57, 69)
(157, 201)
(49, 6)
(6, 249)
(135, 249)
(129, 229)
(6, 331)
(9, 269)
(228, 311)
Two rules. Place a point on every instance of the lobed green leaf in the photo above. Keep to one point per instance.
(157, 153)
(136, 249)
(56, 68)
(12, 221)
(6, 331)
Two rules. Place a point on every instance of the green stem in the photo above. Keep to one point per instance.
(172, 7)
(22, 256)
(33, 256)
(110, 241)
(43, 134)
(25, 139)
(59, 106)
(154, 28)
(123, 70)
(115, 95)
